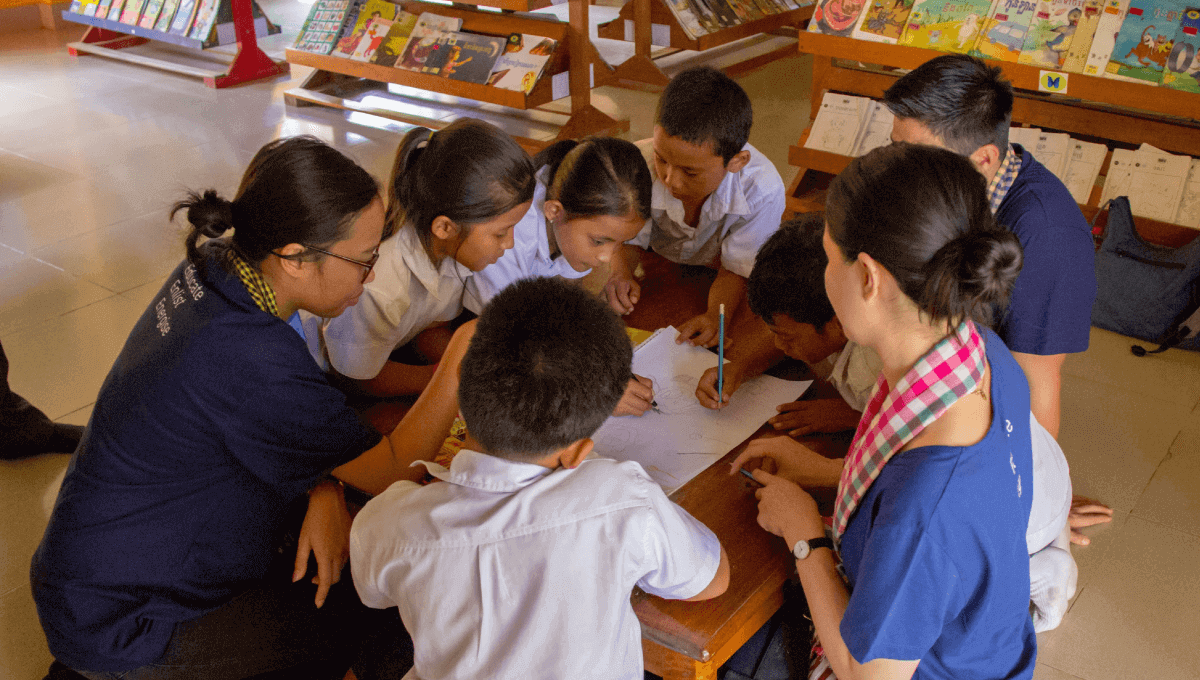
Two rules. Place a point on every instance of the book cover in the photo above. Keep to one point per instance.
(836, 17)
(430, 30)
(102, 8)
(745, 10)
(183, 16)
(945, 25)
(1077, 53)
(521, 65)
(767, 7)
(206, 14)
(686, 17)
(1182, 70)
(723, 12)
(114, 12)
(76, 6)
(1111, 18)
(396, 40)
(133, 10)
(371, 9)
(150, 14)
(1084, 160)
(164, 17)
(883, 21)
(1050, 33)
(377, 30)
(89, 8)
(472, 57)
(839, 123)
(1003, 35)
(705, 15)
(1144, 42)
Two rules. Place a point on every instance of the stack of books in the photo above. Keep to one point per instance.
(195, 19)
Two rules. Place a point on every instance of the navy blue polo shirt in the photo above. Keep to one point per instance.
(212, 421)
(1051, 307)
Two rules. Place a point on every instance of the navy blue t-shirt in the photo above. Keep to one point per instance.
(1051, 307)
(936, 555)
(212, 421)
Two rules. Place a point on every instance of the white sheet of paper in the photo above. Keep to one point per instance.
(683, 440)
(838, 123)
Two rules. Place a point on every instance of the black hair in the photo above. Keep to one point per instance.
(470, 172)
(922, 212)
(702, 105)
(962, 100)
(546, 366)
(597, 176)
(295, 190)
(789, 273)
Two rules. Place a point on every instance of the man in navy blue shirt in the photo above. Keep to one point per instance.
(962, 104)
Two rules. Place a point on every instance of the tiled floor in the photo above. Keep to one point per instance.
(92, 153)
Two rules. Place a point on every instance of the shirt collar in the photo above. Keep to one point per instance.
(260, 291)
(728, 199)
(1004, 178)
(414, 255)
(487, 473)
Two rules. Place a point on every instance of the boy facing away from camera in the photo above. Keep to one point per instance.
(521, 563)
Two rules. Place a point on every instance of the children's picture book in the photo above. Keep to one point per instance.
(89, 8)
(1084, 160)
(1189, 206)
(836, 17)
(102, 8)
(1050, 33)
(945, 25)
(132, 11)
(838, 123)
(114, 12)
(1111, 18)
(163, 24)
(686, 14)
(883, 21)
(377, 30)
(371, 9)
(322, 27)
(430, 30)
(521, 65)
(392, 47)
(1144, 43)
(1182, 70)
(206, 15)
(76, 6)
(183, 16)
(1003, 35)
(150, 13)
(723, 12)
(472, 57)
(1081, 43)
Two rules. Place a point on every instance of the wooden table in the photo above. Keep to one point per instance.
(692, 639)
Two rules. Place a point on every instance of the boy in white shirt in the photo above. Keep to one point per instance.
(715, 201)
(521, 564)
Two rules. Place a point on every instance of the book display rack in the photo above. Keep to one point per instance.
(1102, 109)
(639, 19)
(433, 101)
(109, 38)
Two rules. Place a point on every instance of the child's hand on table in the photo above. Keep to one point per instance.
(706, 389)
(815, 415)
(700, 330)
(638, 397)
(790, 460)
(622, 293)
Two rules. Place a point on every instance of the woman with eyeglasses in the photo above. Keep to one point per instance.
(210, 474)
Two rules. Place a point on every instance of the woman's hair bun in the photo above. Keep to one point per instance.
(208, 213)
(974, 273)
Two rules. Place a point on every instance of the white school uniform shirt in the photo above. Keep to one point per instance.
(407, 296)
(735, 220)
(529, 256)
(514, 571)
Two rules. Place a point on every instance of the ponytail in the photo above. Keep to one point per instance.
(923, 213)
(208, 215)
(597, 176)
(469, 172)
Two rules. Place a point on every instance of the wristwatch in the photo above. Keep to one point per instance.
(804, 548)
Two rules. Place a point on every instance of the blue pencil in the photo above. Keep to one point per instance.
(721, 359)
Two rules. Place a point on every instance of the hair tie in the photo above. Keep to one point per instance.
(423, 144)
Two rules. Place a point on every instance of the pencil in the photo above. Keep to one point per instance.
(721, 358)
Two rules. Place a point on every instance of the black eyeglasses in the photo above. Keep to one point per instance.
(367, 265)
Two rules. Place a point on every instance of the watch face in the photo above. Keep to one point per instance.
(801, 550)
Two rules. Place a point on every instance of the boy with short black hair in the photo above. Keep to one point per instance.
(521, 564)
(716, 198)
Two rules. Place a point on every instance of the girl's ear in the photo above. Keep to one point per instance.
(871, 277)
(444, 228)
(289, 265)
(553, 210)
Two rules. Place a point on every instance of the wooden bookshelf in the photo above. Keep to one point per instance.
(1098, 108)
(109, 39)
(637, 18)
(569, 72)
